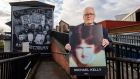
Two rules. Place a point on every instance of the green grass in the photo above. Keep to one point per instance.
(1, 45)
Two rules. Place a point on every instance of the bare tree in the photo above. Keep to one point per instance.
(1, 34)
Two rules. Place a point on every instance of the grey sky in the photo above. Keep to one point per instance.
(71, 10)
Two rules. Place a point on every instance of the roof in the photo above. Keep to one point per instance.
(63, 22)
(9, 23)
(31, 3)
(137, 9)
(126, 29)
(111, 24)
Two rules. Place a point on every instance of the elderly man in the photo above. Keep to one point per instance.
(89, 17)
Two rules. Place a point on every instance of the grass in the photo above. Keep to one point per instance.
(1, 45)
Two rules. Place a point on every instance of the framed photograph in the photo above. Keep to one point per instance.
(87, 55)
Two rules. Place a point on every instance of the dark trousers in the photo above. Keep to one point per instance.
(90, 77)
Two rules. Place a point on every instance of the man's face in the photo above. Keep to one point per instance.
(40, 27)
(85, 53)
(89, 16)
(44, 32)
(21, 37)
(32, 26)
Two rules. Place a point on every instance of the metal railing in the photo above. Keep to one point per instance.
(132, 38)
(16, 66)
(123, 68)
(123, 62)
(126, 50)
(4, 55)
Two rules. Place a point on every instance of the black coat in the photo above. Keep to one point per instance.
(105, 35)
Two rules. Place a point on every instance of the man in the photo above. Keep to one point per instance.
(89, 17)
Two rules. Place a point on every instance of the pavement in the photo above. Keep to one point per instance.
(49, 69)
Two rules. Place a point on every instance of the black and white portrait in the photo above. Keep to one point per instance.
(32, 25)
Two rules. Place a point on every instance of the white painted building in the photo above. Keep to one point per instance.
(132, 16)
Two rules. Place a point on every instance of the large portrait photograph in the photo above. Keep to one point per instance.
(32, 25)
(87, 56)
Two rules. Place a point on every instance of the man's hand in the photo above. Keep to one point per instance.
(68, 47)
(105, 42)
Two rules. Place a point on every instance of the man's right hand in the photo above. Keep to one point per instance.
(68, 47)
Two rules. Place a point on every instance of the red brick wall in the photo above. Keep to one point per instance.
(59, 58)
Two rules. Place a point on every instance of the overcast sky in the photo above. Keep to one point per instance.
(71, 10)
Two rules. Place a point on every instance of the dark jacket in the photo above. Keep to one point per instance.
(105, 35)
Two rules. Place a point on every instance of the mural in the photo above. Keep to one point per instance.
(32, 25)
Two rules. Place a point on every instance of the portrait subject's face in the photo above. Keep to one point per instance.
(40, 28)
(22, 37)
(85, 53)
(32, 26)
(44, 32)
(30, 37)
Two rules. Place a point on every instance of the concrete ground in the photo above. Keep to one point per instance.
(48, 69)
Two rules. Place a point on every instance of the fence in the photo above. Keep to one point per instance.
(16, 65)
(132, 38)
(123, 62)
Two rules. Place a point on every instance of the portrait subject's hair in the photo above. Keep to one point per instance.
(84, 33)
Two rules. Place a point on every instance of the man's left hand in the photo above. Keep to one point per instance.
(105, 42)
